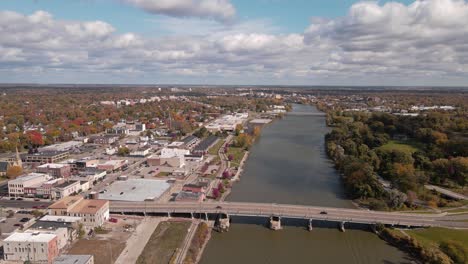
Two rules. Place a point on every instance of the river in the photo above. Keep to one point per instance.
(288, 164)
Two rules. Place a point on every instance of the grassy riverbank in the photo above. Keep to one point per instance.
(432, 245)
(164, 242)
(200, 239)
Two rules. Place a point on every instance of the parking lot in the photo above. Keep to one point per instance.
(10, 224)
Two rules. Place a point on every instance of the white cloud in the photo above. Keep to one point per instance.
(392, 44)
(425, 38)
(221, 10)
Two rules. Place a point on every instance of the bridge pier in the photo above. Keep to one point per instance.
(275, 223)
(342, 228)
(224, 223)
(168, 214)
(309, 227)
(191, 215)
(206, 216)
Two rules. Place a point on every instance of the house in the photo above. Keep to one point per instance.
(74, 259)
(56, 170)
(94, 213)
(17, 186)
(36, 247)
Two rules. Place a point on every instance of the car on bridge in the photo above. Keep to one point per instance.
(323, 213)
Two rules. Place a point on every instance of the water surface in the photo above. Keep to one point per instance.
(288, 164)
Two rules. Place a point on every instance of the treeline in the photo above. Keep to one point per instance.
(406, 151)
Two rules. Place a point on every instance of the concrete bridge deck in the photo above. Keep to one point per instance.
(290, 211)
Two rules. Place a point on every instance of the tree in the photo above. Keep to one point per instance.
(226, 174)
(256, 131)
(34, 138)
(14, 171)
(239, 129)
(123, 151)
(216, 193)
(396, 198)
(201, 133)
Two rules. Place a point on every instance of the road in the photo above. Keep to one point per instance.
(23, 204)
(294, 211)
(446, 192)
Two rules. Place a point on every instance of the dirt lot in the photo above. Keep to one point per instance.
(106, 246)
(104, 251)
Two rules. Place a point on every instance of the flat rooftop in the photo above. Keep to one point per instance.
(73, 259)
(53, 165)
(135, 190)
(30, 237)
(28, 177)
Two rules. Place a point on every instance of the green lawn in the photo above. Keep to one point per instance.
(237, 153)
(436, 235)
(398, 145)
(214, 150)
(164, 242)
(163, 174)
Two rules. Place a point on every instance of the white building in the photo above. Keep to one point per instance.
(172, 157)
(34, 247)
(16, 186)
(140, 152)
(227, 122)
(66, 189)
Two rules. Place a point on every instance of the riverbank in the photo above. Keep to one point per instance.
(422, 253)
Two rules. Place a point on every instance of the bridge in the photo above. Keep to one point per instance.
(306, 114)
(310, 213)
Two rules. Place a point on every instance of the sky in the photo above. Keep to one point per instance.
(244, 42)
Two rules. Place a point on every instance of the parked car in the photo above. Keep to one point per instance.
(113, 220)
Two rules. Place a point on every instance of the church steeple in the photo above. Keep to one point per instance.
(18, 161)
